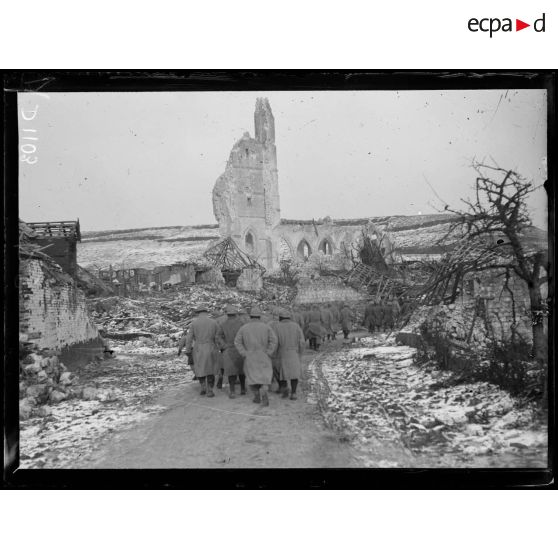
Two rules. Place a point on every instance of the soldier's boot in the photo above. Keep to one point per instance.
(203, 386)
(284, 389)
(256, 391)
(232, 382)
(210, 384)
(264, 396)
(220, 380)
(294, 385)
(242, 379)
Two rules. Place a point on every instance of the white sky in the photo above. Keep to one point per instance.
(131, 160)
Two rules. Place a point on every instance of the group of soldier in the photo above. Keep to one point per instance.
(384, 315)
(254, 349)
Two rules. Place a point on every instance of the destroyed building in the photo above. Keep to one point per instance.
(58, 240)
(246, 206)
(52, 309)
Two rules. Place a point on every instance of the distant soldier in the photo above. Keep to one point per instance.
(222, 318)
(326, 318)
(387, 315)
(290, 348)
(273, 323)
(256, 342)
(201, 346)
(232, 360)
(314, 315)
(335, 320)
(314, 330)
(372, 317)
(243, 316)
(346, 318)
(296, 316)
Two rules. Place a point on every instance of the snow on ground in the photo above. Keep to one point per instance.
(122, 393)
(378, 395)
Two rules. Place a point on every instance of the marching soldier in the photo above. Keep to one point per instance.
(200, 345)
(256, 342)
(335, 325)
(290, 348)
(220, 366)
(243, 316)
(326, 318)
(297, 317)
(274, 357)
(346, 320)
(232, 361)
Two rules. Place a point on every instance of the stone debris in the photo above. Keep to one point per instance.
(375, 392)
(110, 395)
(159, 319)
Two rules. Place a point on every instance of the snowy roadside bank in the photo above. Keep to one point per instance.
(378, 396)
(114, 394)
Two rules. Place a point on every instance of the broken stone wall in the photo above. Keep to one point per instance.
(211, 276)
(326, 289)
(505, 305)
(52, 309)
(246, 195)
(250, 280)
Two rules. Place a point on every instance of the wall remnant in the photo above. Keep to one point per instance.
(250, 280)
(326, 289)
(58, 240)
(246, 206)
(52, 311)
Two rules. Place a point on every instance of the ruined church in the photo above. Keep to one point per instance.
(246, 206)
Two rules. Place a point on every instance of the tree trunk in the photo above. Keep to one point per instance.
(537, 321)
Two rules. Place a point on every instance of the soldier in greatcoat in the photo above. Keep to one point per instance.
(315, 330)
(290, 348)
(201, 346)
(220, 365)
(388, 317)
(296, 316)
(273, 323)
(232, 360)
(335, 324)
(326, 318)
(346, 318)
(243, 316)
(256, 342)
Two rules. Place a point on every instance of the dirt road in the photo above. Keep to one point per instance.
(200, 432)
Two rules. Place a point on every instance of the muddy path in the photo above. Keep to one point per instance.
(198, 432)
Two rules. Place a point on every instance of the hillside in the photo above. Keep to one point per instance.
(151, 247)
(145, 248)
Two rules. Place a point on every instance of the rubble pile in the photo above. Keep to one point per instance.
(43, 382)
(107, 396)
(377, 392)
(159, 319)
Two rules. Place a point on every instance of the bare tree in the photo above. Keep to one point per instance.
(498, 216)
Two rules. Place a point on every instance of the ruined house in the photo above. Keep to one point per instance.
(59, 241)
(52, 309)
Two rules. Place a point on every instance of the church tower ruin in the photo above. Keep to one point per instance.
(246, 195)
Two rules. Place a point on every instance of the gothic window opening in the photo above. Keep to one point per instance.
(304, 249)
(249, 243)
(325, 247)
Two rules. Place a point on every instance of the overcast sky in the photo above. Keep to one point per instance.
(131, 160)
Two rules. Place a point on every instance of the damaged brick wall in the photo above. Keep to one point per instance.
(52, 309)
